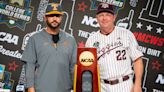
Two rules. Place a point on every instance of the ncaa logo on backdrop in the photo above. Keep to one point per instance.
(16, 13)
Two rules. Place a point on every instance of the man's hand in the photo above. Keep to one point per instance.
(31, 89)
(136, 88)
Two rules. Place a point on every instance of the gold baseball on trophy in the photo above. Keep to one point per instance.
(86, 58)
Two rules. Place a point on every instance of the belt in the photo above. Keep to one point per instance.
(116, 81)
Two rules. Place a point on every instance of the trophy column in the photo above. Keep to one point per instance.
(86, 77)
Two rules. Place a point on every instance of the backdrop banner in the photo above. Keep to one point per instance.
(21, 19)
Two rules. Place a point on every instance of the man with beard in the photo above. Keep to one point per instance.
(50, 56)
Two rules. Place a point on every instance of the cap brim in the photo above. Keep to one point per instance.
(100, 11)
(54, 12)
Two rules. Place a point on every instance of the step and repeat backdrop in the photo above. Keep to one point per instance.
(20, 19)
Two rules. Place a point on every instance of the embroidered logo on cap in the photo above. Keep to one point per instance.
(104, 5)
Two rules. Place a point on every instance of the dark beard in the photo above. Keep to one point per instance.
(52, 27)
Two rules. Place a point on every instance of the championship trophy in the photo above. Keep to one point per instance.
(86, 76)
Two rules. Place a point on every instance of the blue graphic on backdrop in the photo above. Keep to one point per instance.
(16, 13)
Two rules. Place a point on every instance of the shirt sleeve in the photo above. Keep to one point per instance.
(134, 52)
(29, 54)
(73, 59)
(29, 57)
(29, 74)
